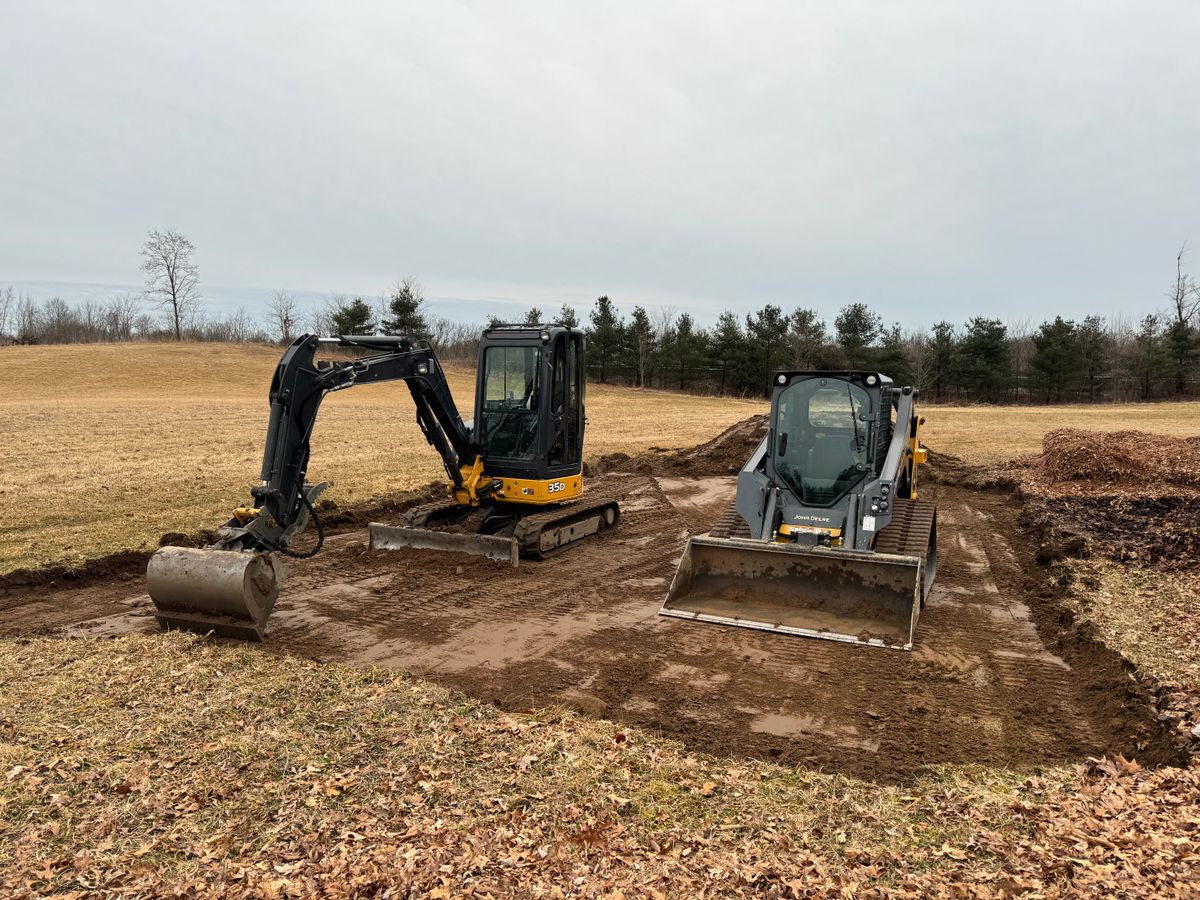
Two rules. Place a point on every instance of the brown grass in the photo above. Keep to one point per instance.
(166, 766)
(986, 435)
(106, 447)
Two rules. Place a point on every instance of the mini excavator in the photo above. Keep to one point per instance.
(515, 473)
(827, 537)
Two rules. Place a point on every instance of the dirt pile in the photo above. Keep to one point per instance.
(723, 455)
(1128, 496)
(1125, 459)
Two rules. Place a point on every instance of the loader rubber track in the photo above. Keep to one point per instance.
(908, 532)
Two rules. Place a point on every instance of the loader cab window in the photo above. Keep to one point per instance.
(511, 394)
(822, 439)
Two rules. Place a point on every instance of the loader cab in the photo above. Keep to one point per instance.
(529, 417)
(825, 434)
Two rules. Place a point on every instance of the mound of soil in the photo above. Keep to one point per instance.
(723, 455)
(1130, 458)
(1125, 495)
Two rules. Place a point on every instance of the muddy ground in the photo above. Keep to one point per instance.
(995, 678)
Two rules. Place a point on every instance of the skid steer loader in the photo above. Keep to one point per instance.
(826, 537)
(515, 474)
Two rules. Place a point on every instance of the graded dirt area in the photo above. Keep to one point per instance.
(991, 681)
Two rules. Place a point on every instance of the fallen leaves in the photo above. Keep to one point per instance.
(110, 783)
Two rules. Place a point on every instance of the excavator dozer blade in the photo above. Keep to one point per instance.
(227, 592)
(857, 597)
(399, 537)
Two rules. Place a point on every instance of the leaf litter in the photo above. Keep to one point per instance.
(166, 765)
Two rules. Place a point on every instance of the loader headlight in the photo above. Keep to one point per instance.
(545, 337)
(782, 379)
(422, 368)
(885, 489)
(871, 379)
(874, 506)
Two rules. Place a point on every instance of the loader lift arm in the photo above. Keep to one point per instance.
(283, 503)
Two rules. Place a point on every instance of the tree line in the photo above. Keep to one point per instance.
(980, 360)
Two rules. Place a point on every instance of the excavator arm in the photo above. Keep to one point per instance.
(233, 593)
(282, 502)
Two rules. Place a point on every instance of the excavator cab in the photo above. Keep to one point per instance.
(529, 418)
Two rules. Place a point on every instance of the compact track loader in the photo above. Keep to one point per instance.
(516, 473)
(827, 537)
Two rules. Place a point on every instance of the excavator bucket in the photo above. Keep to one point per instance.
(399, 537)
(228, 592)
(856, 597)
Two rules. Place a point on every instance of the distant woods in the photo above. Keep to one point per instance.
(980, 360)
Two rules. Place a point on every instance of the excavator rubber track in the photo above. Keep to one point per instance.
(542, 533)
(864, 597)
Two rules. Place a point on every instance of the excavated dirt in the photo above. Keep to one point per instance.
(1128, 496)
(993, 679)
(723, 455)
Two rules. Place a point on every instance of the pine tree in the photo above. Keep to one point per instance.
(1095, 350)
(1057, 362)
(943, 345)
(858, 328)
(726, 344)
(981, 365)
(353, 317)
(568, 317)
(806, 333)
(766, 348)
(404, 311)
(604, 336)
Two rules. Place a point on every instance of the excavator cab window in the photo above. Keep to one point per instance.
(822, 439)
(511, 395)
(566, 407)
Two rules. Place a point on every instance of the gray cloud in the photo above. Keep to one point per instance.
(934, 159)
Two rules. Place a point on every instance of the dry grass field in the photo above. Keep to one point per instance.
(988, 435)
(106, 447)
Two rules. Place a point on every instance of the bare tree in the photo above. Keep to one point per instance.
(284, 318)
(1185, 303)
(27, 320)
(240, 326)
(321, 318)
(8, 303)
(919, 356)
(172, 279)
(120, 315)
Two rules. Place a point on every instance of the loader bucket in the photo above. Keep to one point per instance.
(841, 595)
(398, 537)
(227, 592)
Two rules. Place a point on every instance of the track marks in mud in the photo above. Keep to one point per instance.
(984, 684)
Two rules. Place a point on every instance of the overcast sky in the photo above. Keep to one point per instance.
(934, 159)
